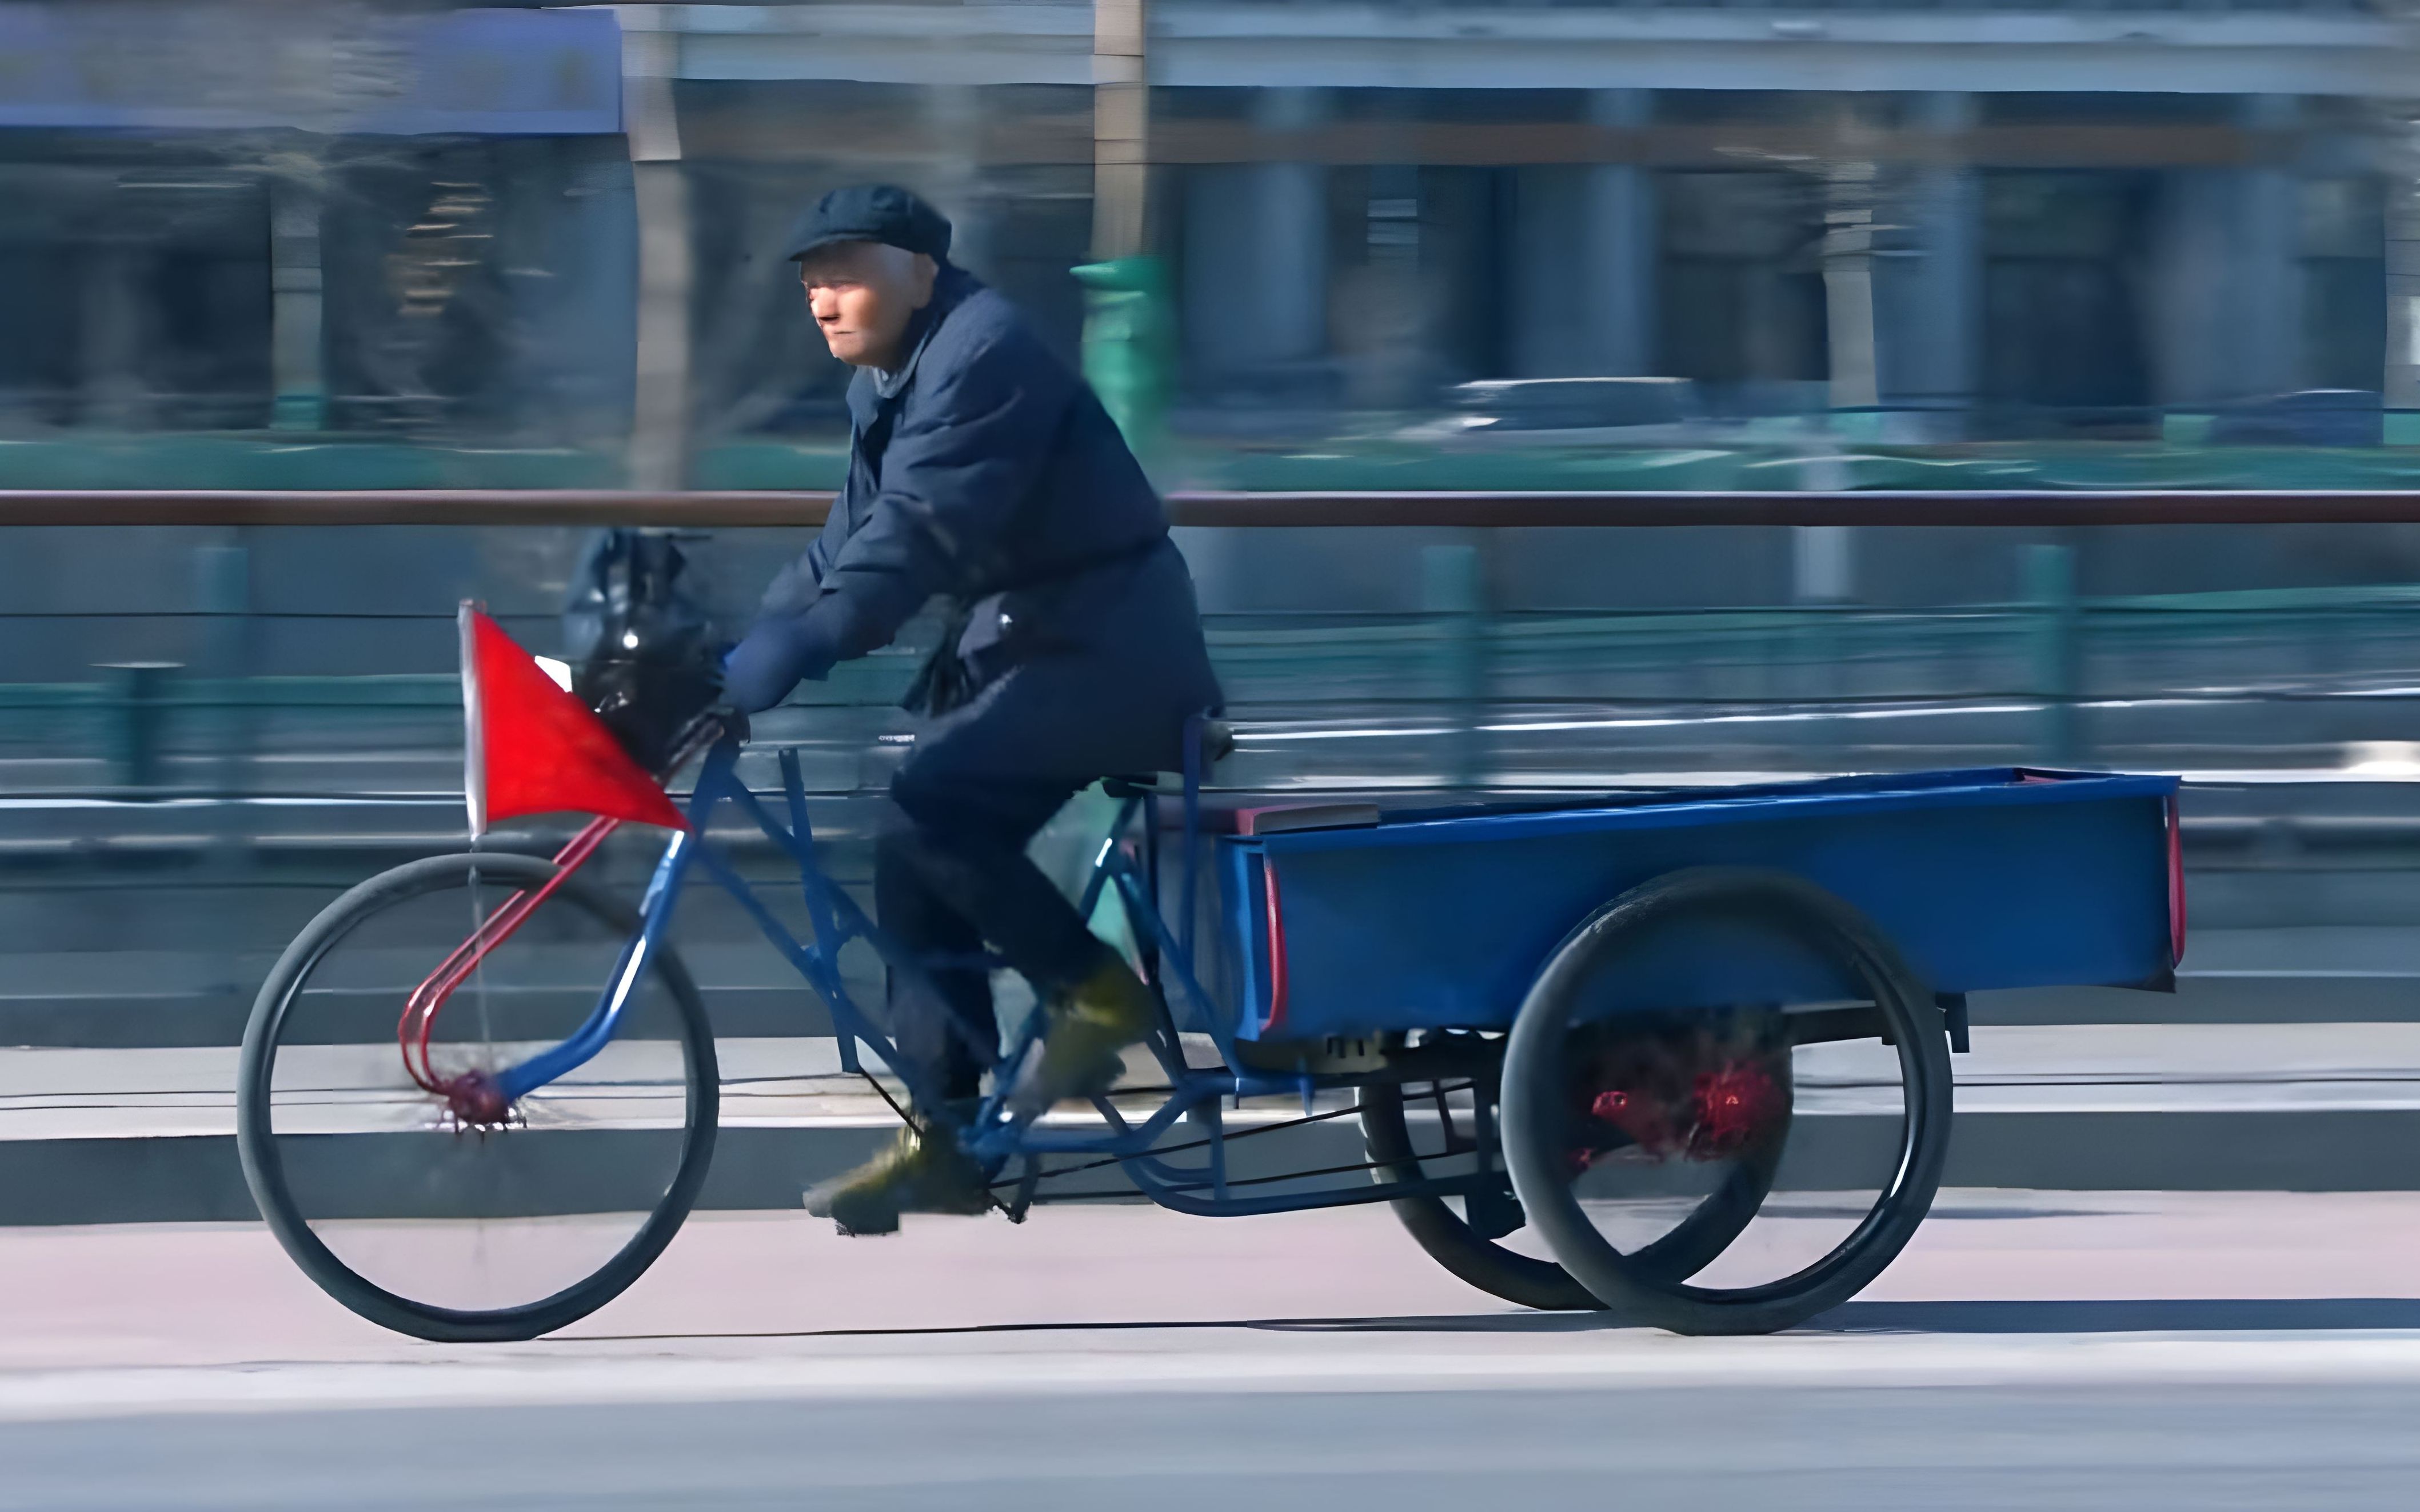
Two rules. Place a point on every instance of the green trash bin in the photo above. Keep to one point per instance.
(1130, 346)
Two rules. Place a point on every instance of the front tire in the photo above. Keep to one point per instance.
(506, 1231)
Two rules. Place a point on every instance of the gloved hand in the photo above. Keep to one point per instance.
(776, 655)
(734, 723)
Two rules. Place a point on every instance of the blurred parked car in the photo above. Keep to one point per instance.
(2314, 417)
(1569, 412)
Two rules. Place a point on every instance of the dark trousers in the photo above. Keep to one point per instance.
(950, 872)
(951, 876)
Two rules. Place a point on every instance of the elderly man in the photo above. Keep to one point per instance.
(982, 471)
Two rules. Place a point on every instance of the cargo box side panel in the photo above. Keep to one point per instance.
(1242, 942)
(1991, 895)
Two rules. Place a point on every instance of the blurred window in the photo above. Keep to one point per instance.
(1416, 295)
(2132, 107)
(134, 298)
(758, 363)
(418, 321)
(2344, 283)
(1741, 287)
(2063, 328)
(756, 153)
(1466, 227)
(40, 329)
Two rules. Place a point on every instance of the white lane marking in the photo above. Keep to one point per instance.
(1609, 1360)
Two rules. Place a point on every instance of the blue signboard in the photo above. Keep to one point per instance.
(203, 67)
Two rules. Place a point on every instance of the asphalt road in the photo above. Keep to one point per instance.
(2031, 1351)
(2071, 1444)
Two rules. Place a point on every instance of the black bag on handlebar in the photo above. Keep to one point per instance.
(642, 648)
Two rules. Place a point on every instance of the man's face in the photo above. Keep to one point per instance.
(863, 294)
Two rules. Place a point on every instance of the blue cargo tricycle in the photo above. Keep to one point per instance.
(1682, 1055)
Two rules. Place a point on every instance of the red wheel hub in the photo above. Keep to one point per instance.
(1645, 1118)
(1682, 1095)
(473, 1101)
(1735, 1104)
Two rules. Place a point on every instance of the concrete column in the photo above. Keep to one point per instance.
(2227, 294)
(591, 306)
(1620, 229)
(2400, 119)
(1584, 255)
(2192, 345)
(660, 439)
(295, 294)
(1255, 295)
(1849, 196)
(110, 383)
(2268, 312)
(1928, 297)
(1389, 354)
(571, 272)
(2401, 380)
(661, 420)
(1549, 288)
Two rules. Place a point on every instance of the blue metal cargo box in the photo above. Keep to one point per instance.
(1992, 878)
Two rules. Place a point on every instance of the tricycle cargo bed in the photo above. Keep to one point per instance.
(1993, 878)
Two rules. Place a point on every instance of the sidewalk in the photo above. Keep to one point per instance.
(735, 1286)
(133, 1135)
(53, 1093)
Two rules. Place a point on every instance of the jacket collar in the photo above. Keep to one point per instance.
(872, 387)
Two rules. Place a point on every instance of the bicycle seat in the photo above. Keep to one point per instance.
(1218, 738)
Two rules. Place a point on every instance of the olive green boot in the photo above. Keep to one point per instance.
(1083, 1030)
(917, 1173)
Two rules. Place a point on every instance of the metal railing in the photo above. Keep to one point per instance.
(1464, 690)
(1250, 511)
(288, 786)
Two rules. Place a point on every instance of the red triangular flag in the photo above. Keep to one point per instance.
(530, 747)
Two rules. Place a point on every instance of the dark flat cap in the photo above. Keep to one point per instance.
(870, 212)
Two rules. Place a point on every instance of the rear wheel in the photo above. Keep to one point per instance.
(509, 1222)
(1725, 1170)
(1419, 1131)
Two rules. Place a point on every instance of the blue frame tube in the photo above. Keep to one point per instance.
(1126, 1140)
(1189, 902)
(655, 913)
(800, 843)
(838, 919)
(1228, 1205)
(1173, 955)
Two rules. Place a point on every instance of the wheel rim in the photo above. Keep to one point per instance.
(374, 1181)
(1430, 1130)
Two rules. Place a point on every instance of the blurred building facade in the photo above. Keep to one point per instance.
(556, 229)
(2057, 208)
(233, 217)
(2053, 208)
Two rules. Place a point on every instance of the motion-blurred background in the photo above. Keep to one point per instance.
(261, 243)
(1466, 245)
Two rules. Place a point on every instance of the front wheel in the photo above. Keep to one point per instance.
(1801, 1148)
(517, 1221)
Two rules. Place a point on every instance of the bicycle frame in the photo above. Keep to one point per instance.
(991, 1137)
